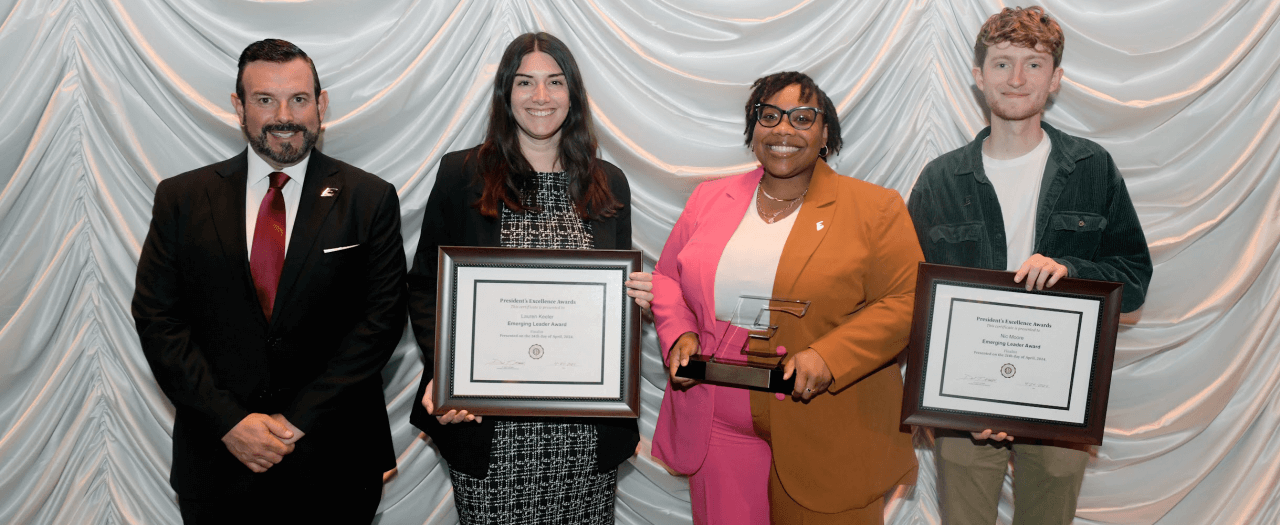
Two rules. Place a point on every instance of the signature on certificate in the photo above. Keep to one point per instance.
(505, 364)
(977, 380)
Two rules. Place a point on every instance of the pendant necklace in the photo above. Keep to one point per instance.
(770, 218)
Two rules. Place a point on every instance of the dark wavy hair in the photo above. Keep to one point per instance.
(272, 50)
(1024, 27)
(503, 167)
(768, 86)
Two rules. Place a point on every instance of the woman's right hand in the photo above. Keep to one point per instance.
(452, 416)
(684, 348)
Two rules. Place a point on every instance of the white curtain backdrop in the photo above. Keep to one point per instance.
(101, 99)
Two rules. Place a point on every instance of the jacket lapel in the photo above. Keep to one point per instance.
(320, 190)
(226, 203)
(811, 227)
(725, 216)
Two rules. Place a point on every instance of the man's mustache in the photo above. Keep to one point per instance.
(284, 128)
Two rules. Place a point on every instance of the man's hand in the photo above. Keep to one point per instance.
(450, 417)
(685, 347)
(297, 432)
(1041, 272)
(812, 375)
(988, 434)
(640, 288)
(256, 442)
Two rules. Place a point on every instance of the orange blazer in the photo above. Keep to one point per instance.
(853, 253)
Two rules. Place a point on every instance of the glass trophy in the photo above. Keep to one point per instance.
(747, 335)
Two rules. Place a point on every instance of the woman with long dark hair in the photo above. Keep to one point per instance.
(535, 182)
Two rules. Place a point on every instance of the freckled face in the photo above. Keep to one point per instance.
(539, 97)
(281, 114)
(782, 150)
(1016, 81)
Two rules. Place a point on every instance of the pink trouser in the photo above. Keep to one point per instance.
(732, 486)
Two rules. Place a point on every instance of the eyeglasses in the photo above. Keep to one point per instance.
(801, 118)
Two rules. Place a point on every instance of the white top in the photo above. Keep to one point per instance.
(750, 260)
(257, 181)
(1017, 185)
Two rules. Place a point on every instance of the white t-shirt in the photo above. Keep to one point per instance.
(750, 260)
(1017, 185)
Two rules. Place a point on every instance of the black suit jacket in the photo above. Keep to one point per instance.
(450, 220)
(337, 319)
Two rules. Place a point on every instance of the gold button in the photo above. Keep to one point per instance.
(1081, 223)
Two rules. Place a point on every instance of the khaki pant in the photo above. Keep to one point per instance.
(970, 473)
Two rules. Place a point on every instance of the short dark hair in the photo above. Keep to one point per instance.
(1023, 27)
(272, 50)
(502, 165)
(768, 86)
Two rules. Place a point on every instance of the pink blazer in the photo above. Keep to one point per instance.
(853, 253)
(684, 301)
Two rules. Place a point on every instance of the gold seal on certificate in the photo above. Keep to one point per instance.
(987, 353)
(537, 332)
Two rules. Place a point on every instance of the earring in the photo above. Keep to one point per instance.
(823, 152)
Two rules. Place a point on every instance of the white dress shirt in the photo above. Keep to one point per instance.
(258, 181)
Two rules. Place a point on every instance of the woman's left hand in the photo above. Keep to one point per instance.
(812, 375)
(639, 287)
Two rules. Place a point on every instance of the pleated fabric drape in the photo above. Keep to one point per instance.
(101, 99)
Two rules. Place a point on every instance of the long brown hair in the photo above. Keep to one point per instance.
(503, 167)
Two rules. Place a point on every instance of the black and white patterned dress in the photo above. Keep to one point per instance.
(542, 470)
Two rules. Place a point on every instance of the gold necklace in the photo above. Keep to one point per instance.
(771, 197)
(770, 218)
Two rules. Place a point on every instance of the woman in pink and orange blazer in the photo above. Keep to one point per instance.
(792, 229)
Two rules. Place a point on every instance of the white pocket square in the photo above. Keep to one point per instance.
(340, 248)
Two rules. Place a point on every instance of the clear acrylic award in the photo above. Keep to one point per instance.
(747, 335)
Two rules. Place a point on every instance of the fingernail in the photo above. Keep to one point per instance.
(782, 350)
(780, 396)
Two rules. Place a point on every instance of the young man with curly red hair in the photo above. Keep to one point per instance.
(1024, 197)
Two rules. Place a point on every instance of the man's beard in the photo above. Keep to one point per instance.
(287, 155)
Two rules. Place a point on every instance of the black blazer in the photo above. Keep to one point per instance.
(337, 319)
(450, 220)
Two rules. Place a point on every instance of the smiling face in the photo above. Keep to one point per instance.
(1016, 81)
(281, 114)
(539, 98)
(782, 150)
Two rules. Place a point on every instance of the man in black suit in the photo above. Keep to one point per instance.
(269, 297)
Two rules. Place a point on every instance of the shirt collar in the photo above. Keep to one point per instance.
(259, 169)
(1065, 150)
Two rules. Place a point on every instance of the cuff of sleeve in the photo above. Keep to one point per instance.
(230, 418)
(839, 374)
(1071, 269)
(669, 333)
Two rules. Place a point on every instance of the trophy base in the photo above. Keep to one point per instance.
(744, 375)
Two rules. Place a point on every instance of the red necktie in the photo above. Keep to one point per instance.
(267, 256)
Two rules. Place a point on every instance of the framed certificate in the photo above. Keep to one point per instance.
(987, 353)
(537, 332)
